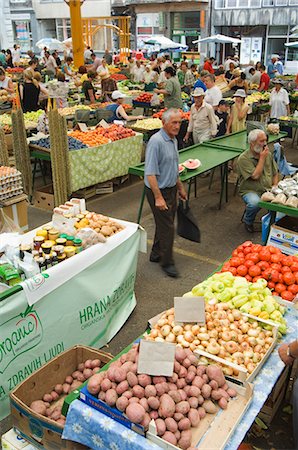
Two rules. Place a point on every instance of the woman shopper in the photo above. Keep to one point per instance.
(118, 110)
(172, 90)
(279, 100)
(9, 62)
(239, 81)
(29, 92)
(88, 88)
(237, 120)
(5, 82)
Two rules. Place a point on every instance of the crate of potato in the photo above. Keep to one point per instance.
(40, 397)
(174, 412)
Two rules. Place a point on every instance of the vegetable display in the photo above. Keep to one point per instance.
(175, 403)
(145, 97)
(73, 144)
(285, 193)
(148, 124)
(228, 334)
(254, 261)
(51, 403)
(30, 118)
(158, 114)
(100, 135)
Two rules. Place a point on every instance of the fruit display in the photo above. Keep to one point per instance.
(71, 110)
(10, 182)
(273, 128)
(128, 85)
(14, 69)
(118, 77)
(239, 293)
(113, 69)
(126, 106)
(99, 223)
(73, 144)
(256, 262)
(191, 164)
(289, 118)
(228, 334)
(285, 193)
(145, 97)
(148, 124)
(30, 118)
(176, 403)
(158, 114)
(91, 138)
(5, 96)
(50, 405)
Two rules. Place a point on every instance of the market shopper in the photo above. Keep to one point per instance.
(239, 110)
(238, 81)
(43, 94)
(213, 93)
(66, 68)
(279, 100)
(96, 62)
(5, 82)
(264, 79)
(222, 118)
(272, 69)
(288, 353)
(108, 57)
(88, 88)
(29, 92)
(161, 185)
(202, 121)
(9, 62)
(150, 78)
(16, 55)
(172, 90)
(257, 172)
(229, 75)
(117, 108)
(208, 65)
(108, 84)
(87, 55)
(50, 63)
(138, 72)
(3, 59)
(200, 83)
(255, 76)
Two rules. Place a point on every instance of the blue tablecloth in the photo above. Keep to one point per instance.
(97, 431)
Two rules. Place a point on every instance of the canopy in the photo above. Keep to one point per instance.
(165, 43)
(50, 43)
(292, 44)
(67, 43)
(218, 39)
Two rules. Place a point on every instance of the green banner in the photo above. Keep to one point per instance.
(89, 309)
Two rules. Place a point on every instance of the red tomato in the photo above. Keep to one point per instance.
(254, 271)
(271, 284)
(255, 279)
(247, 244)
(249, 263)
(263, 265)
(242, 270)
(294, 266)
(280, 278)
(274, 276)
(276, 257)
(264, 255)
(240, 248)
(273, 249)
(279, 287)
(286, 260)
(225, 269)
(235, 262)
(267, 274)
(235, 252)
(285, 269)
(257, 248)
(254, 257)
(241, 255)
(247, 250)
(287, 295)
(248, 277)
(293, 288)
(289, 278)
(296, 276)
(275, 266)
(233, 271)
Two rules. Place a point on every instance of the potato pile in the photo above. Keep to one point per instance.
(100, 223)
(176, 403)
(228, 334)
(51, 403)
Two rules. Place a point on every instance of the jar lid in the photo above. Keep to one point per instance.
(77, 241)
(63, 235)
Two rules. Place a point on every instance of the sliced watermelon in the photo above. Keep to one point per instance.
(192, 164)
(181, 168)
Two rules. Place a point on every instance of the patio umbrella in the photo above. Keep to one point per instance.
(218, 39)
(292, 44)
(165, 43)
(50, 43)
(67, 43)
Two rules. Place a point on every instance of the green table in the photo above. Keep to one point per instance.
(210, 158)
(238, 141)
(291, 124)
(273, 208)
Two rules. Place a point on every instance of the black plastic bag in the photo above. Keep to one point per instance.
(187, 226)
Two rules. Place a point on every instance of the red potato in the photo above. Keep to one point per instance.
(48, 398)
(135, 412)
(209, 407)
(95, 370)
(127, 366)
(192, 448)
(224, 393)
(153, 402)
(177, 366)
(190, 376)
(182, 407)
(194, 391)
(166, 387)
(75, 374)
(88, 364)
(206, 391)
(223, 403)
(177, 435)
(180, 354)
(225, 386)
(150, 391)
(102, 396)
(105, 385)
(194, 417)
(127, 394)
(184, 424)
(134, 368)
(75, 385)
(215, 373)
(169, 437)
(232, 392)
(144, 380)
(131, 355)
(122, 387)
(198, 381)
(176, 396)
(160, 427)
(205, 378)
(66, 388)
(186, 363)
(61, 421)
(216, 395)
(87, 373)
(48, 412)
(68, 379)
(182, 372)
(39, 407)
(94, 383)
(174, 377)
(138, 391)
(157, 380)
(153, 415)
(144, 403)
(111, 397)
(213, 384)
(132, 379)
(200, 399)
(192, 368)
(54, 396)
(202, 412)
(56, 414)
(193, 402)
(81, 367)
(186, 389)
(81, 377)
(201, 370)
(116, 363)
(193, 359)
(167, 406)
(160, 389)
(95, 363)
(182, 394)
(188, 352)
(123, 358)
(185, 439)
(111, 372)
(114, 385)
(119, 375)
(178, 417)
(181, 383)
(133, 400)
(172, 387)
(47, 404)
(145, 422)
(122, 403)
(171, 424)
(59, 389)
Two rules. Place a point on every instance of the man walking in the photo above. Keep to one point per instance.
(161, 185)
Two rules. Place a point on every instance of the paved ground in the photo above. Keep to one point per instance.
(221, 232)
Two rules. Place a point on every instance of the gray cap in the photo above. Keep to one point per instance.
(240, 93)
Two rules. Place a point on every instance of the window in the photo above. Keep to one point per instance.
(278, 30)
(281, 2)
(268, 2)
(231, 3)
(219, 4)
(255, 3)
(293, 2)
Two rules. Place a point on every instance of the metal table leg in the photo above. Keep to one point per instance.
(272, 221)
(141, 206)
(222, 185)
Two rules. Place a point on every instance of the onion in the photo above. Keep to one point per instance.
(177, 330)
(165, 330)
(188, 336)
(171, 337)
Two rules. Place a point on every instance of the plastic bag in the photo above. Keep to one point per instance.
(292, 201)
(7, 225)
(89, 237)
(155, 101)
(267, 197)
(187, 226)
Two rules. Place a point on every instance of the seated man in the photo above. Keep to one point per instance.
(257, 173)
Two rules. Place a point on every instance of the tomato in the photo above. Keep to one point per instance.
(274, 293)
(264, 255)
(241, 255)
(285, 269)
(280, 278)
(263, 265)
(234, 262)
(286, 260)
(248, 277)
(235, 252)
(276, 258)
(279, 287)
(233, 271)
(225, 269)
(271, 284)
(254, 271)
(289, 278)
(246, 250)
(248, 263)
(247, 244)
(273, 249)
(294, 266)
(274, 276)
(254, 257)
(255, 279)
(287, 295)
(257, 248)
(293, 288)
(296, 276)
(275, 266)
(242, 270)
(240, 248)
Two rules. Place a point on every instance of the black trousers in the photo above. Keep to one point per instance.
(164, 224)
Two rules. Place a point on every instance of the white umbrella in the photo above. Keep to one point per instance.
(292, 44)
(50, 43)
(67, 43)
(218, 39)
(165, 43)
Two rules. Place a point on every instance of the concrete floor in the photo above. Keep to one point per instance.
(221, 232)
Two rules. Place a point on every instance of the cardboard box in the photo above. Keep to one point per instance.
(12, 441)
(44, 198)
(17, 209)
(284, 235)
(41, 431)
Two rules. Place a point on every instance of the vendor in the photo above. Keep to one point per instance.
(172, 90)
(229, 75)
(118, 110)
(29, 92)
(66, 68)
(82, 76)
(150, 78)
(5, 82)
(238, 81)
(108, 85)
(88, 88)
(239, 110)
(279, 100)
(257, 173)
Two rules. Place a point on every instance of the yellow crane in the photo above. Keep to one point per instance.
(76, 31)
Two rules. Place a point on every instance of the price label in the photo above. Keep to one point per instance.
(190, 309)
(156, 358)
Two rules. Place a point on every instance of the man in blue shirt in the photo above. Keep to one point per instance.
(161, 185)
(271, 69)
(199, 83)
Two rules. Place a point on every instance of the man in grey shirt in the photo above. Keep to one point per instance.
(161, 184)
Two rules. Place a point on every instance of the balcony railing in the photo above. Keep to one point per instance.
(243, 4)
